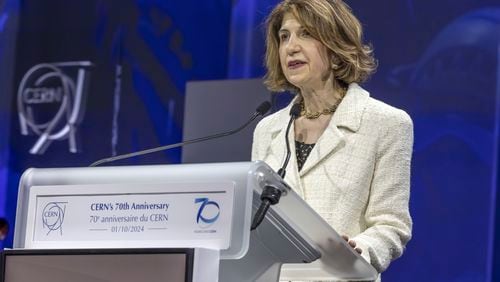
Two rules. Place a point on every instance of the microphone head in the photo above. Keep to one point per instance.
(263, 108)
(295, 110)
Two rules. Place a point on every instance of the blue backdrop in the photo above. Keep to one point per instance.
(438, 60)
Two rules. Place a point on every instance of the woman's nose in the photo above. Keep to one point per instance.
(293, 45)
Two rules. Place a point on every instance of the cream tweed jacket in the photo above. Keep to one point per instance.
(357, 177)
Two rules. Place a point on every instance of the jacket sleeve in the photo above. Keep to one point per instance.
(387, 213)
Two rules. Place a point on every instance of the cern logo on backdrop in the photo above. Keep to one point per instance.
(50, 101)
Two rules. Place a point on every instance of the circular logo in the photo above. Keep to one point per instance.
(208, 213)
(53, 217)
(44, 98)
(50, 103)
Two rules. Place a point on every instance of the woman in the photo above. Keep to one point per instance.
(353, 152)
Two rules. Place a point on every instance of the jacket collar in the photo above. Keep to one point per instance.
(351, 109)
(348, 115)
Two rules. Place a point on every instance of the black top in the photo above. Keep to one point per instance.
(302, 150)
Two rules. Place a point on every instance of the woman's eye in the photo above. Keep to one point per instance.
(306, 33)
(283, 37)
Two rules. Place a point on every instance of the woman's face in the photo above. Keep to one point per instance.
(304, 60)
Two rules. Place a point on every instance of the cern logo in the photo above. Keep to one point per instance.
(50, 103)
(53, 216)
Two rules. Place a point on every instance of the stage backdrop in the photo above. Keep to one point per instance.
(117, 78)
(94, 78)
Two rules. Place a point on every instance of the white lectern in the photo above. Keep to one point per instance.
(205, 207)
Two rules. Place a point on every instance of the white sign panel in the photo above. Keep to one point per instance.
(147, 215)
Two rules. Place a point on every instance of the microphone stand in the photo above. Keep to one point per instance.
(271, 195)
(262, 109)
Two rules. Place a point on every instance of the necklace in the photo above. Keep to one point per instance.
(315, 115)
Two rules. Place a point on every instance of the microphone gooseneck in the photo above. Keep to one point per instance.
(271, 195)
(262, 109)
(294, 113)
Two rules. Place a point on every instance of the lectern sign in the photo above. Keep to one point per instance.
(131, 215)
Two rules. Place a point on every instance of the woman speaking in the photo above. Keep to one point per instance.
(352, 152)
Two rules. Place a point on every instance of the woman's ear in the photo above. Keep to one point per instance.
(334, 62)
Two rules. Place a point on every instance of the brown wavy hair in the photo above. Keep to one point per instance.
(332, 23)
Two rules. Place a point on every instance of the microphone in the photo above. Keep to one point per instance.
(294, 113)
(271, 195)
(261, 110)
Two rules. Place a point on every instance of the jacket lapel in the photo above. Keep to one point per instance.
(330, 140)
(278, 129)
(348, 115)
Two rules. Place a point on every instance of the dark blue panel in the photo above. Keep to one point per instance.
(8, 29)
(453, 93)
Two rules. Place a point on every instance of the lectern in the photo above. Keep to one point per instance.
(205, 208)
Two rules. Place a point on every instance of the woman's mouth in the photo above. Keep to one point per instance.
(295, 64)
